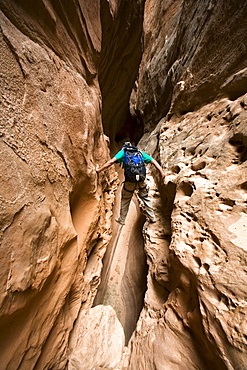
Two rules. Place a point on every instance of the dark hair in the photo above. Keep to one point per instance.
(126, 144)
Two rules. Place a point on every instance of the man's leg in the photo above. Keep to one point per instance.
(143, 194)
(127, 193)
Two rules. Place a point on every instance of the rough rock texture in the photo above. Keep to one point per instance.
(55, 219)
(60, 74)
(195, 59)
(195, 305)
(194, 52)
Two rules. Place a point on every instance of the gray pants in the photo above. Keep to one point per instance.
(127, 193)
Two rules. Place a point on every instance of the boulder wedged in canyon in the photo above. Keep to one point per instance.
(97, 340)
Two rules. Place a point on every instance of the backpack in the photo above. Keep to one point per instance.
(134, 166)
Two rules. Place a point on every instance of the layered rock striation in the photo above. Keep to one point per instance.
(55, 215)
(191, 86)
(195, 304)
(193, 54)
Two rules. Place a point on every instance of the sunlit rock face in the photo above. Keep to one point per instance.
(195, 305)
(97, 340)
(192, 91)
(55, 218)
(64, 66)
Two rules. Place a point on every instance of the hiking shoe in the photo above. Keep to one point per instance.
(152, 220)
(120, 221)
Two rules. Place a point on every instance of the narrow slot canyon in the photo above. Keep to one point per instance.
(79, 291)
(124, 277)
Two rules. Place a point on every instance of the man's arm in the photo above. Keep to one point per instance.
(156, 164)
(106, 165)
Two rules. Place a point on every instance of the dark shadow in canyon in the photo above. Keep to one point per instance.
(120, 58)
(127, 296)
(132, 129)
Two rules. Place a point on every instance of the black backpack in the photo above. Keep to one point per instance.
(134, 166)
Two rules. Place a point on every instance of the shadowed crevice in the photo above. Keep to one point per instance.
(124, 275)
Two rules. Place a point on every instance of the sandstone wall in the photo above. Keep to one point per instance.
(194, 315)
(55, 217)
(194, 52)
(192, 81)
(65, 66)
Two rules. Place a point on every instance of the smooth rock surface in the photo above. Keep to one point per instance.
(55, 213)
(97, 341)
(66, 73)
(123, 280)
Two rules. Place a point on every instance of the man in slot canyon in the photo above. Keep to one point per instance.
(133, 161)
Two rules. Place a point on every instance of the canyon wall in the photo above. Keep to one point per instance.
(55, 68)
(194, 316)
(78, 291)
(194, 53)
(191, 87)
(122, 24)
(55, 213)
